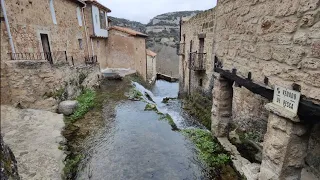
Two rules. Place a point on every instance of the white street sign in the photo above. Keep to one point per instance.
(286, 98)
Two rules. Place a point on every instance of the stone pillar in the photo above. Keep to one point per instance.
(221, 107)
(285, 145)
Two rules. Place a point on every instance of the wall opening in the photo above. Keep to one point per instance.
(200, 82)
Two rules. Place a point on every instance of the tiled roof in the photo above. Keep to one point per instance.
(150, 53)
(95, 2)
(128, 31)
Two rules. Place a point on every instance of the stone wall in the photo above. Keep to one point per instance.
(5, 91)
(125, 51)
(30, 18)
(274, 39)
(151, 68)
(39, 85)
(202, 23)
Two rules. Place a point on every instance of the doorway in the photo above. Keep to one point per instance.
(46, 47)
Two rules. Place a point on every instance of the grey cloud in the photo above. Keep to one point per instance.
(144, 10)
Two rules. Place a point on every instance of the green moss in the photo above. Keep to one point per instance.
(71, 165)
(151, 107)
(82, 77)
(209, 150)
(166, 100)
(86, 102)
(168, 118)
(199, 107)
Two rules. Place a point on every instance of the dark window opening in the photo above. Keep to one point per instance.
(201, 45)
(200, 82)
(103, 22)
(80, 43)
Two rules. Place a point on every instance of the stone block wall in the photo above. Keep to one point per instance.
(39, 85)
(274, 39)
(30, 18)
(151, 68)
(202, 23)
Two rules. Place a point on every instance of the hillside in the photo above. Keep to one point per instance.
(163, 31)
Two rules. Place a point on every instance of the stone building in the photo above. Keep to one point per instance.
(97, 25)
(39, 42)
(151, 65)
(55, 26)
(255, 45)
(195, 52)
(127, 49)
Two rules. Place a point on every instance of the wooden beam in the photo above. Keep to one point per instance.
(308, 111)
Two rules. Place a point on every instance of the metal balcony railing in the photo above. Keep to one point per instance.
(49, 56)
(197, 61)
(181, 49)
(90, 60)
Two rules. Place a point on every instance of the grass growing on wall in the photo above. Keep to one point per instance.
(209, 150)
(86, 102)
(199, 106)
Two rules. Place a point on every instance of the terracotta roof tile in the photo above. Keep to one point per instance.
(150, 53)
(128, 31)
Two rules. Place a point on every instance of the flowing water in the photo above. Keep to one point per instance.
(137, 145)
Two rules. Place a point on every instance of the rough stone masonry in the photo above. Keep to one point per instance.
(276, 42)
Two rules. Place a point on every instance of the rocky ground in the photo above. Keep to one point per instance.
(34, 137)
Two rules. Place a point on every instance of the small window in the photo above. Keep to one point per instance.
(200, 82)
(103, 22)
(80, 43)
(79, 16)
(53, 13)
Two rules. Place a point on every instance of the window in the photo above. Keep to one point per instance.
(80, 43)
(103, 22)
(200, 82)
(53, 13)
(79, 16)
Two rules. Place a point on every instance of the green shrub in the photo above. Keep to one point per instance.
(209, 150)
(86, 102)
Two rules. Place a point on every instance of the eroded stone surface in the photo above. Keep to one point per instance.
(34, 136)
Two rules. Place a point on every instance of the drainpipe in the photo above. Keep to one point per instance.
(85, 28)
(7, 26)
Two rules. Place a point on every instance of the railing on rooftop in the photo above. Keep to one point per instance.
(197, 61)
(49, 56)
(90, 60)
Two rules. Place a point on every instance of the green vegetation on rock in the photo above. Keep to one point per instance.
(199, 107)
(209, 150)
(86, 102)
(71, 165)
(168, 118)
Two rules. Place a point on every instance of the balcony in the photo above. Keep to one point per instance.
(197, 61)
(49, 56)
(181, 49)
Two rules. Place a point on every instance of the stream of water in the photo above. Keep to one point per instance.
(137, 145)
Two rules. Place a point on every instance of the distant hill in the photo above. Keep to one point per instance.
(163, 31)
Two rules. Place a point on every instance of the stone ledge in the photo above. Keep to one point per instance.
(282, 112)
(241, 164)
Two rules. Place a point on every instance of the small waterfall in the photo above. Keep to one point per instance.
(163, 108)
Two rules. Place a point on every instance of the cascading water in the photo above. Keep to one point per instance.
(161, 90)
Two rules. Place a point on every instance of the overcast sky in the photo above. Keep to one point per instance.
(144, 10)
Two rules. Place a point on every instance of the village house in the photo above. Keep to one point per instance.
(151, 66)
(38, 30)
(40, 43)
(126, 48)
(96, 27)
(236, 54)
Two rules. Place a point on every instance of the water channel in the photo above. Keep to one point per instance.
(137, 145)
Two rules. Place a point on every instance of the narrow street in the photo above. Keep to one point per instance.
(137, 145)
